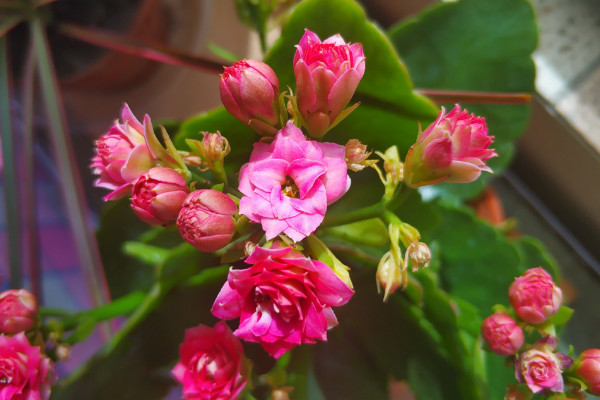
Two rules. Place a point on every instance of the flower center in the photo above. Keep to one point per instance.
(289, 188)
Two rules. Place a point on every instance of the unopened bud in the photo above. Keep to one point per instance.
(357, 155)
(282, 393)
(216, 147)
(587, 368)
(389, 275)
(18, 311)
(392, 165)
(63, 351)
(419, 254)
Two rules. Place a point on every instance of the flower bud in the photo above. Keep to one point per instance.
(206, 219)
(327, 75)
(534, 296)
(587, 368)
(215, 146)
(390, 274)
(18, 311)
(158, 195)
(250, 92)
(419, 254)
(453, 149)
(502, 334)
(357, 155)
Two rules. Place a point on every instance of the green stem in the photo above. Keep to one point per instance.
(11, 192)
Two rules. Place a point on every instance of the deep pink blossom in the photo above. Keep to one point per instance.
(25, 374)
(288, 184)
(540, 369)
(206, 219)
(212, 364)
(284, 299)
(452, 149)
(122, 155)
(502, 334)
(250, 92)
(18, 311)
(158, 194)
(534, 296)
(327, 75)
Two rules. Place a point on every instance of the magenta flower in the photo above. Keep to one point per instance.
(18, 311)
(587, 368)
(453, 149)
(250, 92)
(327, 75)
(206, 219)
(534, 296)
(122, 155)
(288, 184)
(212, 364)
(25, 374)
(541, 369)
(284, 299)
(502, 334)
(158, 195)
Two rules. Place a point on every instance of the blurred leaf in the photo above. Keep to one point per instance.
(221, 52)
(151, 255)
(476, 45)
(370, 232)
(534, 253)
(562, 316)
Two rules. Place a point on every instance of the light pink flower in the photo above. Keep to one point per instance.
(453, 149)
(158, 195)
(540, 369)
(534, 296)
(327, 75)
(18, 311)
(250, 92)
(212, 364)
(288, 184)
(206, 219)
(588, 370)
(502, 334)
(25, 374)
(284, 299)
(122, 155)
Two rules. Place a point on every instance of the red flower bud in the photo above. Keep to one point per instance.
(206, 219)
(18, 310)
(534, 296)
(502, 334)
(588, 369)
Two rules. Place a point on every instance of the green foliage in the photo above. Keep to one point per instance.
(475, 45)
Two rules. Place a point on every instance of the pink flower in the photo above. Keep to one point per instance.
(158, 195)
(502, 334)
(540, 369)
(288, 184)
(327, 74)
(284, 299)
(18, 311)
(206, 219)
(250, 92)
(453, 149)
(122, 155)
(212, 364)
(534, 296)
(25, 374)
(588, 370)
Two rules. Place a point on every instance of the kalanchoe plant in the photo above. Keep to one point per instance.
(285, 237)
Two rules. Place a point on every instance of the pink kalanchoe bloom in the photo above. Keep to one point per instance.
(122, 155)
(327, 75)
(158, 194)
(18, 311)
(541, 369)
(587, 368)
(288, 184)
(452, 149)
(206, 219)
(250, 92)
(284, 299)
(502, 334)
(212, 364)
(534, 296)
(25, 374)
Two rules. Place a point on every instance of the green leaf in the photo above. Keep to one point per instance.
(534, 253)
(222, 52)
(370, 232)
(475, 45)
(151, 255)
(562, 316)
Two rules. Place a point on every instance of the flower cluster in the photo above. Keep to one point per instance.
(286, 296)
